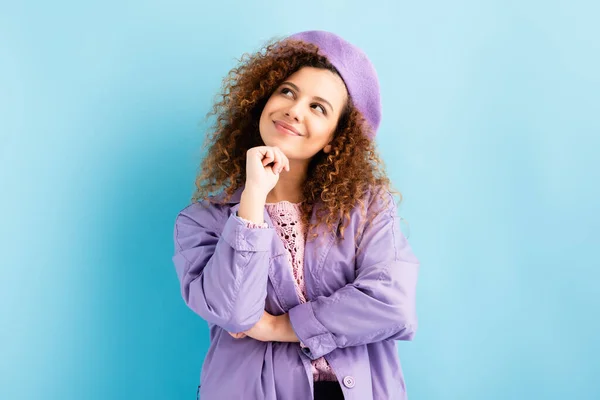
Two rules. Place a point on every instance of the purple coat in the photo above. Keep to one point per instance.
(355, 312)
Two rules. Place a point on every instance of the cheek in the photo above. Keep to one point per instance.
(322, 129)
(265, 113)
(267, 109)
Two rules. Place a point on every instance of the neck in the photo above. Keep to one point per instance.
(289, 185)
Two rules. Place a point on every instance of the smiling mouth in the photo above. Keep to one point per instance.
(281, 128)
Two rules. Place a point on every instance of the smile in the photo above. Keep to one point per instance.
(281, 128)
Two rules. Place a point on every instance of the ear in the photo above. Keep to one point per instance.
(327, 149)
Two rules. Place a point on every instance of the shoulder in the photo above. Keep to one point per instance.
(204, 213)
(378, 201)
(199, 222)
(376, 206)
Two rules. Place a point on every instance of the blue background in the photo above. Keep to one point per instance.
(490, 131)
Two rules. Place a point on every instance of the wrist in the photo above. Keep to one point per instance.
(254, 192)
(252, 205)
(283, 329)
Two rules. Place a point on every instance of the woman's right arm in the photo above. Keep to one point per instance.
(223, 276)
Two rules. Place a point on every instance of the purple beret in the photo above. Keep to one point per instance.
(356, 70)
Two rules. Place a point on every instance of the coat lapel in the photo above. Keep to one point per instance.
(315, 252)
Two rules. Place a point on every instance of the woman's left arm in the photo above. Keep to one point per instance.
(378, 305)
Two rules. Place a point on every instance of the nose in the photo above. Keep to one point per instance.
(294, 112)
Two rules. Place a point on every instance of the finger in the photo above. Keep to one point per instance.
(268, 157)
(282, 160)
(278, 160)
(285, 162)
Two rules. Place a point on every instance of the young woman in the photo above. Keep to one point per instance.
(291, 249)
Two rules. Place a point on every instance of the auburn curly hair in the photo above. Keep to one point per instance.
(339, 180)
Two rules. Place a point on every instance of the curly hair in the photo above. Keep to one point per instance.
(339, 179)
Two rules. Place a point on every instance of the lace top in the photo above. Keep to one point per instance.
(288, 224)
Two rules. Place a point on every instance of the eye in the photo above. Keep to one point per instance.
(320, 107)
(285, 92)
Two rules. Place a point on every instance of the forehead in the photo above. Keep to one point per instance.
(318, 82)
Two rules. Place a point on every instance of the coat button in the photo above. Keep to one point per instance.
(349, 382)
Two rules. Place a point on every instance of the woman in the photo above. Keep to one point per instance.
(291, 249)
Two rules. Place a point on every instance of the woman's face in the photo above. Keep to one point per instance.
(301, 115)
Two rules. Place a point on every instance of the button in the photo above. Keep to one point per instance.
(306, 351)
(349, 382)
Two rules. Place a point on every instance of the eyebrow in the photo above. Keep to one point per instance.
(297, 89)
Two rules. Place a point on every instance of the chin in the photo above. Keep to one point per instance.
(275, 139)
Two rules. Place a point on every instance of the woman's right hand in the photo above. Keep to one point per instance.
(263, 166)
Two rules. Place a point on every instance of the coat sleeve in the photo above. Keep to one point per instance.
(378, 305)
(223, 272)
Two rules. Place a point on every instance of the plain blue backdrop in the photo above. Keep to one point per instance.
(490, 130)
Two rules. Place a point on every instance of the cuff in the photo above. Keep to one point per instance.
(315, 339)
(242, 238)
(251, 224)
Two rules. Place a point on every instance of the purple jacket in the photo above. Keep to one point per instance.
(230, 273)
